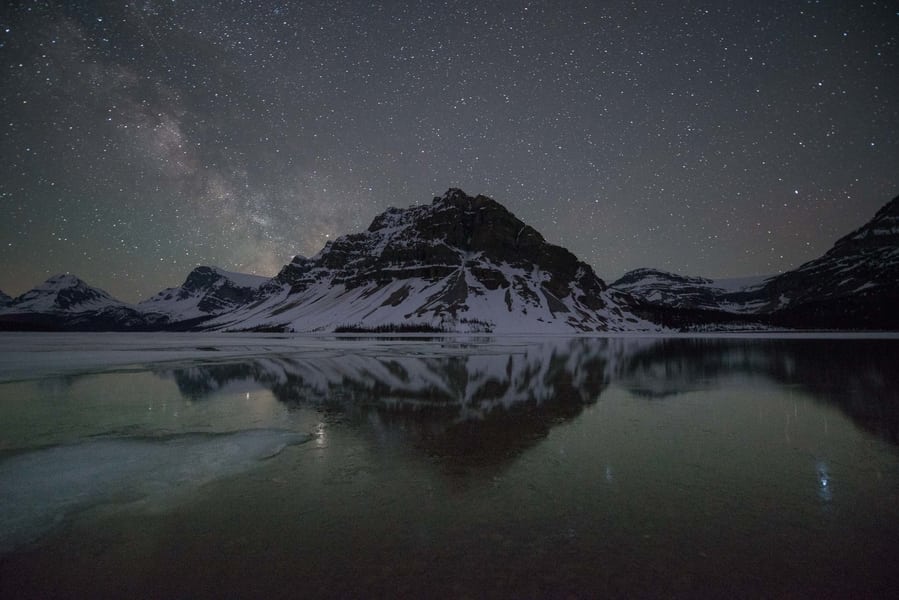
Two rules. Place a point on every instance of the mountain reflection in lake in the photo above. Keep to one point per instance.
(535, 468)
(475, 403)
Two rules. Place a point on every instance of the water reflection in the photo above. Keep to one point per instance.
(825, 489)
(488, 401)
(476, 403)
(858, 376)
(685, 467)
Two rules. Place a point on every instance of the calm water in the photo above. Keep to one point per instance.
(452, 467)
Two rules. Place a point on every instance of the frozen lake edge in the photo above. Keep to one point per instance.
(29, 355)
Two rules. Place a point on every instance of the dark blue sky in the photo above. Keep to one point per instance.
(140, 139)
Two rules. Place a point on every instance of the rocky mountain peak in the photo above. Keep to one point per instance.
(480, 224)
(889, 210)
(459, 259)
(880, 231)
(61, 281)
(202, 278)
(455, 230)
(205, 278)
(63, 292)
(206, 291)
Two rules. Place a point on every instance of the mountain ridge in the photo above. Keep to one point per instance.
(854, 285)
(459, 263)
(467, 264)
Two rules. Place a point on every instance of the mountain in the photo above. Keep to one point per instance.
(66, 302)
(688, 303)
(4, 300)
(461, 263)
(854, 285)
(207, 291)
(466, 264)
(63, 293)
(682, 291)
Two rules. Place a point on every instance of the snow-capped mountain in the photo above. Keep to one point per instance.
(466, 264)
(4, 300)
(461, 263)
(681, 291)
(63, 293)
(66, 302)
(855, 285)
(206, 292)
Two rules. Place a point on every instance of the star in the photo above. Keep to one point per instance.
(142, 140)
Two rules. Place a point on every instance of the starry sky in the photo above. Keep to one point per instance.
(141, 139)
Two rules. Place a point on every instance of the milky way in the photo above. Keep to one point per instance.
(140, 139)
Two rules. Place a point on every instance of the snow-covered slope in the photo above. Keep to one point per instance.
(461, 263)
(66, 302)
(63, 293)
(207, 291)
(466, 264)
(681, 291)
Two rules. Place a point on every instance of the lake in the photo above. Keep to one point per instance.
(210, 466)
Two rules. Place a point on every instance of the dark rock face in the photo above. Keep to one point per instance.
(207, 291)
(882, 230)
(4, 300)
(855, 285)
(296, 274)
(218, 292)
(200, 279)
(434, 241)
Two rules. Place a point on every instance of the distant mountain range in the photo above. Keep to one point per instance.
(855, 285)
(466, 264)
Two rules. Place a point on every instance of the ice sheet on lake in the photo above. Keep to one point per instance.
(42, 488)
(31, 355)
(28, 355)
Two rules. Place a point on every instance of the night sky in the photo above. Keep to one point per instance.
(140, 139)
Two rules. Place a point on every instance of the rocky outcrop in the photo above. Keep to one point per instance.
(207, 291)
(855, 285)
